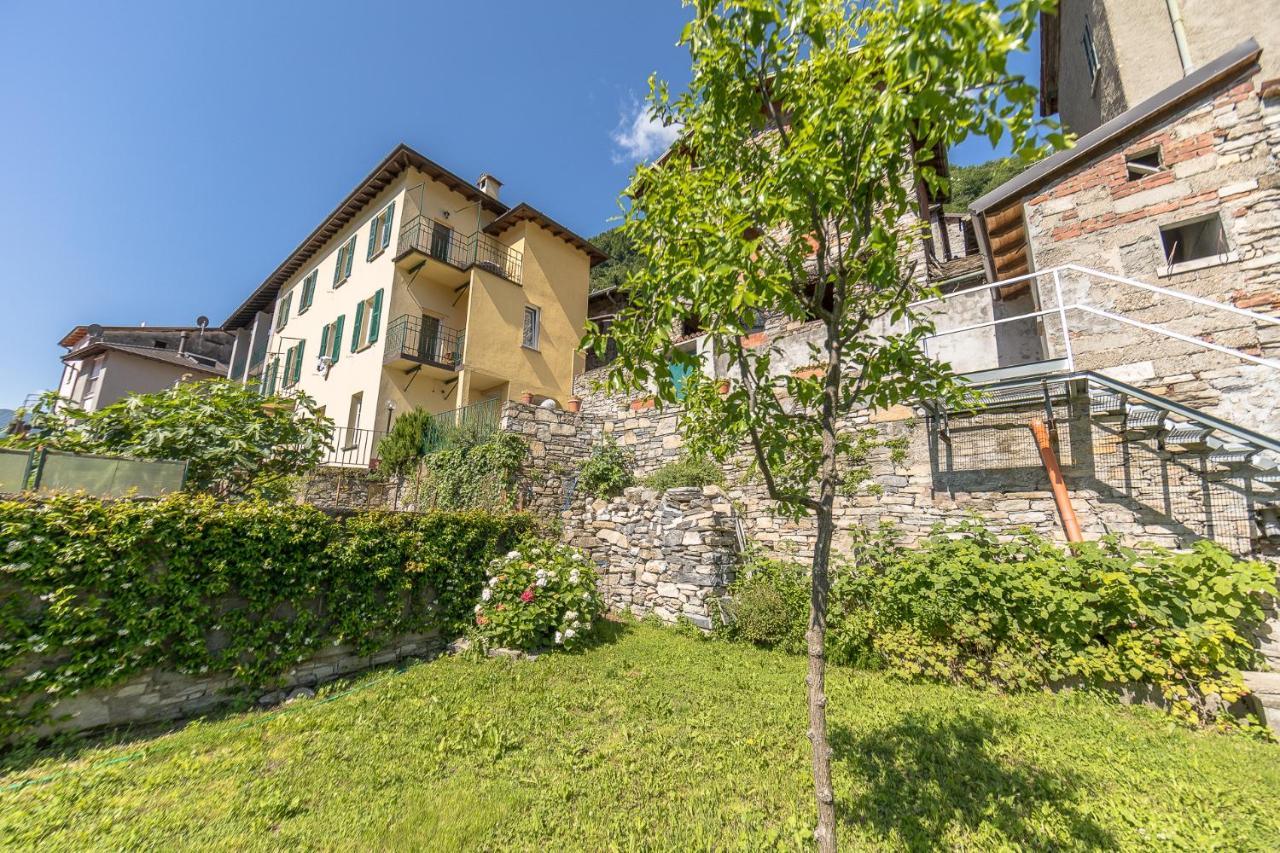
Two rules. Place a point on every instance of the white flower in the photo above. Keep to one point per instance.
(540, 582)
(576, 624)
(568, 633)
(487, 594)
(478, 608)
(540, 573)
(559, 638)
(572, 614)
(511, 555)
(14, 545)
(586, 596)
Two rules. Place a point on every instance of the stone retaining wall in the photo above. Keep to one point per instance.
(158, 696)
(670, 554)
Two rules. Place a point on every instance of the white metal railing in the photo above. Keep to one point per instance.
(1062, 308)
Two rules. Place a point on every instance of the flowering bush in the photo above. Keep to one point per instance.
(538, 595)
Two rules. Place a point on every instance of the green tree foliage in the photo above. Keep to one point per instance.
(95, 591)
(235, 441)
(607, 471)
(965, 607)
(790, 192)
(413, 435)
(623, 259)
(970, 182)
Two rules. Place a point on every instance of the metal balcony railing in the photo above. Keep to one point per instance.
(421, 340)
(441, 242)
(349, 447)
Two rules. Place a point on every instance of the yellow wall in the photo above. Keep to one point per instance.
(555, 279)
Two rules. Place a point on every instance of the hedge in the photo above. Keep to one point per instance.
(93, 592)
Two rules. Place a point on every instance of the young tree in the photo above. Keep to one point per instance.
(235, 442)
(791, 192)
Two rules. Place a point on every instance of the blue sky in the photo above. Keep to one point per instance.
(160, 159)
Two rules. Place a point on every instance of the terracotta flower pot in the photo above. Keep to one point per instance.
(574, 404)
(527, 398)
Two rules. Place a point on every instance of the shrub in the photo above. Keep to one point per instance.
(92, 592)
(411, 437)
(472, 470)
(770, 604)
(235, 441)
(537, 596)
(964, 606)
(686, 471)
(608, 471)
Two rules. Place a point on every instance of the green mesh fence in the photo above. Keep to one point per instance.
(15, 465)
(108, 476)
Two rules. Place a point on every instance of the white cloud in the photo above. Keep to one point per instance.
(640, 135)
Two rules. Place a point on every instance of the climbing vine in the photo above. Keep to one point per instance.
(93, 592)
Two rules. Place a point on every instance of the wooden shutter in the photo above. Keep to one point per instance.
(337, 336)
(355, 329)
(386, 225)
(282, 315)
(373, 238)
(270, 376)
(297, 361)
(324, 338)
(375, 315)
(337, 268)
(351, 251)
(288, 366)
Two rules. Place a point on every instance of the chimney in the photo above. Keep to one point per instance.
(489, 185)
(182, 343)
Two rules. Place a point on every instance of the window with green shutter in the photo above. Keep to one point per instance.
(282, 310)
(324, 338)
(342, 267)
(297, 361)
(375, 315)
(308, 292)
(355, 330)
(368, 320)
(288, 367)
(380, 232)
(269, 377)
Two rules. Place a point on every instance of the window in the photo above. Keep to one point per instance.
(368, 317)
(269, 376)
(353, 419)
(158, 344)
(331, 339)
(1090, 54)
(91, 380)
(342, 268)
(1143, 163)
(293, 364)
(282, 310)
(380, 232)
(1194, 243)
(532, 322)
(308, 292)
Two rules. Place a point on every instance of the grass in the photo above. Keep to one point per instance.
(652, 739)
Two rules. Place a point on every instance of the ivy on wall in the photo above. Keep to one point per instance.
(93, 592)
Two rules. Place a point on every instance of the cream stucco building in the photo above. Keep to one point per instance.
(419, 289)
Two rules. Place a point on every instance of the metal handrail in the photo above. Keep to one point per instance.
(1062, 309)
(410, 338)
(441, 242)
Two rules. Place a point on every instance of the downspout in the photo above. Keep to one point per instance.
(1070, 524)
(1180, 37)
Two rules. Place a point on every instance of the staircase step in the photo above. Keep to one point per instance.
(1141, 417)
(1188, 434)
(1104, 401)
(1233, 454)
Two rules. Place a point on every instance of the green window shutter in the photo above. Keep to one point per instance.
(375, 315)
(351, 251)
(386, 225)
(373, 238)
(337, 269)
(337, 336)
(355, 329)
(270, 376)
(288, 366)
(297, 361)
(282, 314)
(324, 339)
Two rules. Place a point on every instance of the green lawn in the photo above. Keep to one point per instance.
(653, 740)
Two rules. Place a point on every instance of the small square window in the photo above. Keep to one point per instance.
(1143, 163)
(1195, 243)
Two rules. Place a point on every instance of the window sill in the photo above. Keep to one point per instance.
(1198, 264)
(374, 256)
(531, 349)
(341, 282)
(302, 311)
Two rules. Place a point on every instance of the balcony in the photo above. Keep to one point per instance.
(425, 241)
(423, 341)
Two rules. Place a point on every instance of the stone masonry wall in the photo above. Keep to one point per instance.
(1220, 156)
(671, 554)
(158, 696)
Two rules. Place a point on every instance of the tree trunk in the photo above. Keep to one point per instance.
(820, 589)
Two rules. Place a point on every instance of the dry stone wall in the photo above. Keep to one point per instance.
(669, 554)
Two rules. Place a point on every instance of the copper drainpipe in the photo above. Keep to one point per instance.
(1070, 524)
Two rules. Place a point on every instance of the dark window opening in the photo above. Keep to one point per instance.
(690, 326)
(1194, 240)
(1090, 54)
(1143, 163)
(610, 354)
(828, 298)
(161, 345)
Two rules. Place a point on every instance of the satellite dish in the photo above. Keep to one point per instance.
(94, 330)
(203, 322)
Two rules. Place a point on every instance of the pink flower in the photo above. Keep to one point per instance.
(527, 595)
